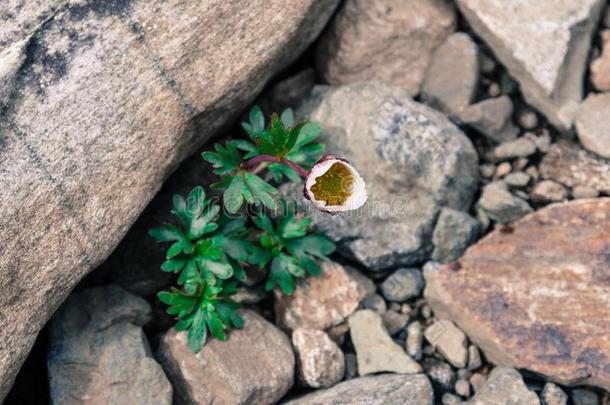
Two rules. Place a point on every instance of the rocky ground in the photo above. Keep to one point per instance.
(477, 273)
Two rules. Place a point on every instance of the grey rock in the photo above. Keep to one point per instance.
(388, 40)
(520, 147)
(351, 366)
(548, 191)
(462, 388)
(337, 333)
(384, 389)
(320, 302)
(413, 160)
(567, 163)
(502, 206)
(502, 170)
(403, 285)
(583, 396)
(451, 79)
(375, 349)
(440, 373)
(553, 395)
(592, 124)
(527, 118)
(98, 353)
(394, 321)
(100, 102)
(449, 341)
(474, 358)
(487, 169)
(320, 361)
(255, 365)
(504, 386)
(548, 64)
(492, 118)
(453, 233)
(374, 302)
(415, 339)
(517, 179)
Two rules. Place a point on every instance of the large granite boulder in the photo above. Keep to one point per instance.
(543, 44)
(98, 353)
(536, 295)
(99, 101)
(413, 159)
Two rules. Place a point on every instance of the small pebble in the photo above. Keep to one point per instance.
(532, 171)
(402, 285)
(527, 119)
(543, 141)
(522, 194)
(394, 321)
(415, 339)
(474, 358)
(502, 170)
(374, 302)
(449, 341)
(394, 306)
(494, 90)
(464, 374)
(451, 399)
(426, 312)
(517, 179)
(520, 147)
(406, 309)
(487, 169)
(548, 191)
(477, 381)
(553, 395)
(584, 192)
(337, 333)
(440, 373)
(520, 164)
(483, 219)
(486, 63)
(462, 388)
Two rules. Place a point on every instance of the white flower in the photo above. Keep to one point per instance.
(333, 185)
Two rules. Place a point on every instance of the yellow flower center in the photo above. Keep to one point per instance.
(335, 186)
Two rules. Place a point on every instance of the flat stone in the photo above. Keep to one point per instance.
(413, 159)
(450, 342)
(567, 163)
(255, 365)
(453, 233)
(381, 389)
(415, 338)
(320, 361)
(579, 192)
(492, 118)
(375, 349)
(452, 77)
(517, 148)
(583, 396)
(501, 205)
(535, 296)
(319, 302)
(547, 60)
(100, 102)
(517, 179)
(592, 125)
(98, 353)
(403, 285)
(504, 386)
(548, 191)
(387, 40)
(600, 68)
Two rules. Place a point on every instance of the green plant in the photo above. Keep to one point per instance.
(211, 248)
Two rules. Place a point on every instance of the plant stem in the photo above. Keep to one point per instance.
(256, 161)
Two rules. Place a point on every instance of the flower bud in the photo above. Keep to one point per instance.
(333, 185)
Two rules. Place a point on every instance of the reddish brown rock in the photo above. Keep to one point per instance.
(321, 302)
(536, 295)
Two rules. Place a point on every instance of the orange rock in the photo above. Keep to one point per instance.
(536, 295)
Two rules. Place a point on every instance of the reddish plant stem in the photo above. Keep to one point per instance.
(253, 164)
